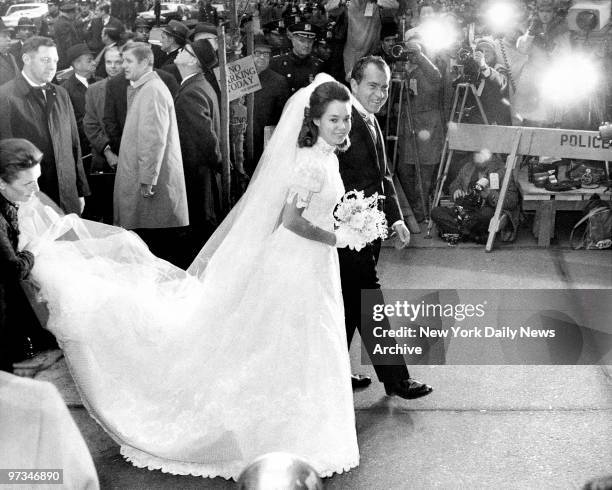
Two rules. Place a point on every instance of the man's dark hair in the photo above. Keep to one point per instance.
(105, 7)
(113, 34)
(362, 63)
(33, 43)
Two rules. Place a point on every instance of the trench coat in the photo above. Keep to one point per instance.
(150, 153)
(53, 129)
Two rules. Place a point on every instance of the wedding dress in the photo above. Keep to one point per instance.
(200, 372)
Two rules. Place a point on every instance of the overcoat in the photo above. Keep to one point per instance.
(150, 153)
(52, 127)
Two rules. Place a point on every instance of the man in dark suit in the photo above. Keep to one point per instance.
(269, 101)
(25, 30)
(363, 167)
(66, 33)
(102, 20)
(34, 109)
(197, 115)
(115, 106)
(81, 59)
(8, 63)
(103, 160)
(173, 37)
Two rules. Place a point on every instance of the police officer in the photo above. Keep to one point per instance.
(300, 66)
(47, 24)
(276, 35)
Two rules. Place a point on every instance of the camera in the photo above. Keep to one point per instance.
(404, 51)
(470, 68)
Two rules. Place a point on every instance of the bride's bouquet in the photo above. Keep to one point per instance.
(359, 219)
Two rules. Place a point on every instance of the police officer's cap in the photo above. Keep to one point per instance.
(275, 27)
(304, 29)
(68, 7)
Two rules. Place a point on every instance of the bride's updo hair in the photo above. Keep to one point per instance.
(17, 154)
(319, 100)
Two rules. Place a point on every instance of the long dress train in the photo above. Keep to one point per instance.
(189, 382)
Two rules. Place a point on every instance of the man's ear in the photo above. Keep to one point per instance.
(354, 85)
(25, 57)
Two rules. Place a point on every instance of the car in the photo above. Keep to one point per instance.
(169, 11)
(34, 11)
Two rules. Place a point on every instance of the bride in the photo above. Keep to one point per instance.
(199, 372)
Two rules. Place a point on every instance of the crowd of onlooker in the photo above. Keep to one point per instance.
(70, 82)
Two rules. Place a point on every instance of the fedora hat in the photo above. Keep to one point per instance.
(205, 53)
(177, 30)
(77, 50)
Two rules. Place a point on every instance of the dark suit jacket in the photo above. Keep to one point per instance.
(173, 70)
(76, 90)
(115, 106)
(93, 37)
(93, 125)
(8, 67)
(15, 50)
(197, 115)
(268, 106)
(52, 128)
(66, 36)
(363, 167)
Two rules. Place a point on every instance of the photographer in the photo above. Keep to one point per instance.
(546, 40)
(475, 192)
(491, 82)
(423, 107)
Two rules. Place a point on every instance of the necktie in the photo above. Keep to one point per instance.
(370, 124)
(42, 90)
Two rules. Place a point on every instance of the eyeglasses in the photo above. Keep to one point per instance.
(262, 54)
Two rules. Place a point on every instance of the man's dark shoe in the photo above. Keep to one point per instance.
(408, 389)
(360, 381)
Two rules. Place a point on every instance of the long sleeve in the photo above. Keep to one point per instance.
(497, 77)
(196, 117)
(92, 126)
(524, 43)
(462, 179)
(16, 265)
(153, 127)
(430, 70)
(112, 123)
(81, 179)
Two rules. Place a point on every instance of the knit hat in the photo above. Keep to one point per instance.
(489, 41)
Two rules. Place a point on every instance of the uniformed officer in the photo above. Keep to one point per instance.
(300, 66)
(276, 34)
(47, 24)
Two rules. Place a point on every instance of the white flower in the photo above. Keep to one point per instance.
(357, 220)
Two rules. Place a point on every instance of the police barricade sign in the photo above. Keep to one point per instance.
(242, 78)
(561, 143)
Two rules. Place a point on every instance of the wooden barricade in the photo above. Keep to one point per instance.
(516, 141)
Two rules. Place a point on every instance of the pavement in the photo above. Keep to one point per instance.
(484, 426)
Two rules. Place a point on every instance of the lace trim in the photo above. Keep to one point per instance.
(228, 471)
(324, 147)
